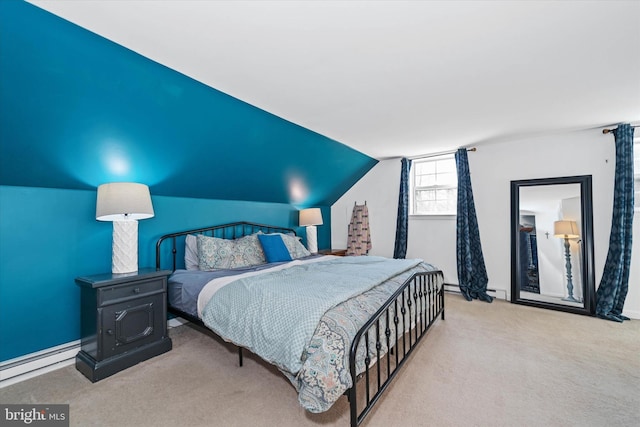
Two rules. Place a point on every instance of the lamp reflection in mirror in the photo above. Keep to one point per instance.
(567, 230)
(124, 203)
(310, 218)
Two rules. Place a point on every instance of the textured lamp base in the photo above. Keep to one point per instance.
(312, 239)
(125, 247)
(567, 255)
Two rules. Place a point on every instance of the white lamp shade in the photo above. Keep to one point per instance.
(122, 201)
(311, 216)
(566, 228)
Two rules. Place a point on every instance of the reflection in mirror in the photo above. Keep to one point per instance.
(552, 243)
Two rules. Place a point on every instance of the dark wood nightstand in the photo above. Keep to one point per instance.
(336, 252)
(123, 321)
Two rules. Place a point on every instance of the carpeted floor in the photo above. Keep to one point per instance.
(495, 364)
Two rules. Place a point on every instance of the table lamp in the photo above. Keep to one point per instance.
(310, 218)
(124, 203)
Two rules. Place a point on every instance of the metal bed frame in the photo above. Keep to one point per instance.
(418, 302)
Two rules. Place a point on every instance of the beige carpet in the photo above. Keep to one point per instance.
(495, 364)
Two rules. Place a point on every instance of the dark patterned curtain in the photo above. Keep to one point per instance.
(402, 225)
(615, 278)
(472, 274)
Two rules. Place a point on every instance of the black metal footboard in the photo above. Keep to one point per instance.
(389, 337)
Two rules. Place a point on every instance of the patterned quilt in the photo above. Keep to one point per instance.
(307, 333)
(325, 376)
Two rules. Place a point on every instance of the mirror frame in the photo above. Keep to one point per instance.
(586, 207)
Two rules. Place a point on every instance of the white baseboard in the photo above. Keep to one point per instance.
(175, 322)
(496, 293)
(31, 365)
(632, 314)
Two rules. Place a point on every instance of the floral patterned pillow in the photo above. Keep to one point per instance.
(249, 251)
(215, 253)
(294, 246)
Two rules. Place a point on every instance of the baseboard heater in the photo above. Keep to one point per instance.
(34, 364)
(31, 365)
(450, 287)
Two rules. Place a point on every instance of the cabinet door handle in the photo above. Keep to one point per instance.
(136, 290)
(109, 331)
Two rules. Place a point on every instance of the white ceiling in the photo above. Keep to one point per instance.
(396, 78)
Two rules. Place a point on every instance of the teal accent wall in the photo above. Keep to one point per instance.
(76, 111)
(51, 236)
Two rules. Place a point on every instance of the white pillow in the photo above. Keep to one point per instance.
(191, 252)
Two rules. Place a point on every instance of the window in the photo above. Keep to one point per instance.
(434, 186)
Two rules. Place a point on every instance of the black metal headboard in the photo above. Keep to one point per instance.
(225, 231)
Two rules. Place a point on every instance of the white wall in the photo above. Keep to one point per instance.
(551, 261)
(379, 189)
(493, 166)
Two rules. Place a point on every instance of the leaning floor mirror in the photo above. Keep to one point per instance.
(552, 244)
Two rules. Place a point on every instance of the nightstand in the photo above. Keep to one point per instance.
(336, 252)
(123, 321)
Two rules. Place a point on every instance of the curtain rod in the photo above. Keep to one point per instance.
(605, 131)
(444, 153)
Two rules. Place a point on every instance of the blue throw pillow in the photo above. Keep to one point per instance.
(274, 248)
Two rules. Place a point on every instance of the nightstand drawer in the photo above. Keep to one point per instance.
(131, 324)
(119, 293)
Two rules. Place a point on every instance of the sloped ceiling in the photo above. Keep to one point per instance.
(77, 110)
(394, 78)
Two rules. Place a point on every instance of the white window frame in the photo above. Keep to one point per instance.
(413, 188)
